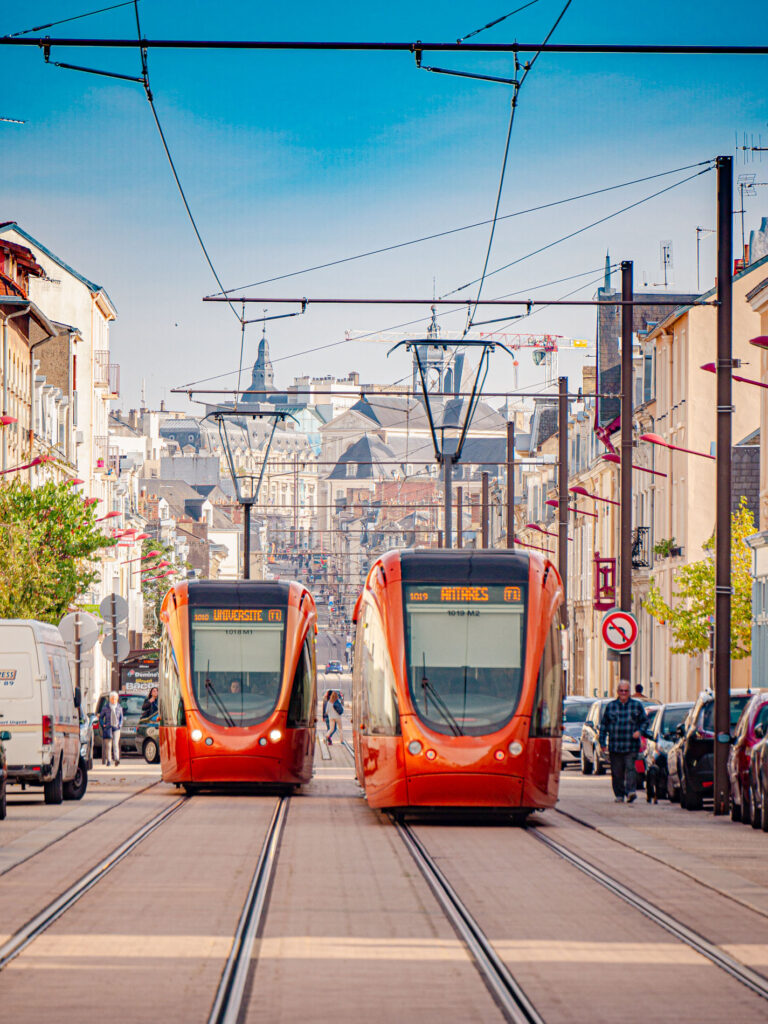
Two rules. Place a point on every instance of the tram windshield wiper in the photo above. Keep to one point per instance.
(438, 701)
(211, 689)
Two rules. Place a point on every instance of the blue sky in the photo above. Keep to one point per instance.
(292, 159)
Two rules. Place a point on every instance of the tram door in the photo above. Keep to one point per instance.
(547, 718)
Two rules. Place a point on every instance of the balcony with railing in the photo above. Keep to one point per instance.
(106, 374)
(641, 547)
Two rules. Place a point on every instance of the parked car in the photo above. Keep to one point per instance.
(131, 703)
(38, 697)
(758, 772)
(4, 735)
(575, 710)
(334, 666)
(750, 728)
(659, 743)
(593, 757)
(148, 739)
(690, 762)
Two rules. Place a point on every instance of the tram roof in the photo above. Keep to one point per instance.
(228, 593)
(452, 565)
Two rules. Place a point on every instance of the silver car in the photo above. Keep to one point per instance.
(575, 711)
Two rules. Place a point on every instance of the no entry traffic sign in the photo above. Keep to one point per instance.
(619, 629)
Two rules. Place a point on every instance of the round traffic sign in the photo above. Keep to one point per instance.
(115, 647)
(89, 630)
(114, 606)
(619, 629)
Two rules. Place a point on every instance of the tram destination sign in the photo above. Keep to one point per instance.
(464, 594)
(229, 616)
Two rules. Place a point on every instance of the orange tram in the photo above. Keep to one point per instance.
(237, 684)
(457, 685)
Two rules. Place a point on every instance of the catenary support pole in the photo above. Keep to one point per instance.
(511, 484)
(448, 479)
(439, 538)
(625, 523)
(723, 588)
(484, 510)
(246, 540)
(459, 517)
(562, 490)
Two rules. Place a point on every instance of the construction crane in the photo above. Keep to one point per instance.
(545, 348)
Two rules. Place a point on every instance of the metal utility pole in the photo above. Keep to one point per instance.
(247, 503)
(439, 538)
(459, 525)
(448, 479)
(625, 525)
(723, 587)
(511, 484)
(484, 510)
(562, 489)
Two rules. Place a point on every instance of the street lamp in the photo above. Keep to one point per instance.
(6, 421)
(584, 493)
(554, 503)
(711, 368)
(611, 457)
(109, 515)
(535, 547)
(760, 342)
(74, 482)
(655, 439)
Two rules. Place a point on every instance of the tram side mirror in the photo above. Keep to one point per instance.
(78, 697)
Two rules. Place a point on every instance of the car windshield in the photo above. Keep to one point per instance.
(671, 718)
(737, 706)
(131, 703)
(465, 654)
(576, 711)
(237, 658)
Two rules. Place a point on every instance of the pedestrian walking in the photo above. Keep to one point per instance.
(326, 697)
(335, 708)
(111, 722)
(624, 722)
(149, 707)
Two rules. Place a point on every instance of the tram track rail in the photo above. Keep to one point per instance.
(506, 991)
(38, 924)
(754, 981)
(672, 867)
(231, 990)
(76, 828)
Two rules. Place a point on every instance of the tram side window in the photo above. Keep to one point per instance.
(300, 707)
(379, 678)
(169, 685)
(548, 705)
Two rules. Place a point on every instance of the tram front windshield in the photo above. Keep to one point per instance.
(237, 661)
(466, 653)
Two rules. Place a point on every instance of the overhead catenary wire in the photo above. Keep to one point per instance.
(463, 227)
(515, 98)
(176, 178)
(496, 21)
(74, 17)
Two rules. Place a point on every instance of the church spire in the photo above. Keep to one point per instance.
(607, 283)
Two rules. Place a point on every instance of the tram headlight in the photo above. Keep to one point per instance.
(262, 741)
(414, 747)
(431, 755)
(275, 735)
(196, 734)
(515, 748)
(499, 755)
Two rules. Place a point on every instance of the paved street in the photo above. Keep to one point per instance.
(347, 903)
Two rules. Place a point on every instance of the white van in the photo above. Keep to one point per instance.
(39, 707)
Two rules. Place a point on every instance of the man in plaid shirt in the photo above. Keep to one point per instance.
(624, 721)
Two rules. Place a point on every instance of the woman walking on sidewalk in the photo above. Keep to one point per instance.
(335, 709)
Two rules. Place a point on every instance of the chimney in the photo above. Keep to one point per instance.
(162, 405)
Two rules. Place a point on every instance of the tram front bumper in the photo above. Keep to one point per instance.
(464, 789)
(237, 768)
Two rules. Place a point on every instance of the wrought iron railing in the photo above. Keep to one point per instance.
(641, 547)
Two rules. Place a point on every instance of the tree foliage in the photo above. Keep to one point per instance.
(48, 538)
(693, 595)
(154, 590)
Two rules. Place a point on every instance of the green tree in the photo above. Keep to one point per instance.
(48, 539)
(154, 590)
(694, 595)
